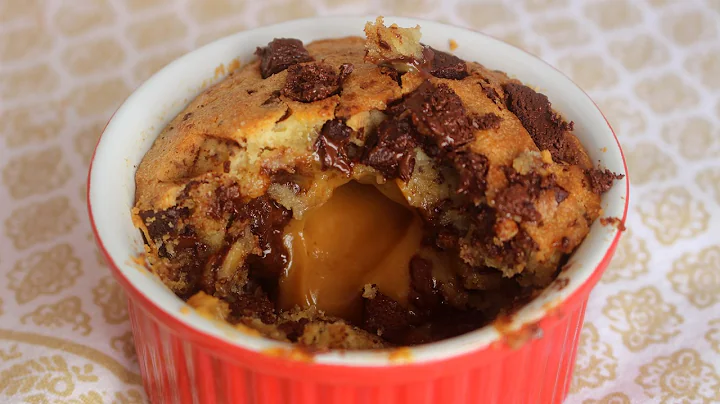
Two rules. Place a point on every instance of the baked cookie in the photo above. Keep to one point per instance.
(358, 193)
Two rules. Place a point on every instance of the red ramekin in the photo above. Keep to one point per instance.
(186, 358)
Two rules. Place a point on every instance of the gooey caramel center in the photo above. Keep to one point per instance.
(360, 235)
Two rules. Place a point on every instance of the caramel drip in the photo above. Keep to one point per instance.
(358, 236)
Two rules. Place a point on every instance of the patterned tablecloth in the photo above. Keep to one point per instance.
(653, 324)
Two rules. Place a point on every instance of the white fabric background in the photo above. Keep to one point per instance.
(652, 330)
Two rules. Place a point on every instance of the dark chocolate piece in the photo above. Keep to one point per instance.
(267, 221)
(331, 146)
(600, 180)
(424, 293)
(519, 197)
(392, 73)
(280, 54)
(293, 329)
(438, 113)
(447, 66)
(311, 82)
(345, 70)
(159, 223)
(510, 252)
(485, 122)
(251, 303)
(393, 154)
(472, 169)
(546, 128)
(385, 317)
(516, 200)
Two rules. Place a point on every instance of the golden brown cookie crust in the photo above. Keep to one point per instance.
(236, 137)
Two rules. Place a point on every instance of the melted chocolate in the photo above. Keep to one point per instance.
(393, 154)
(332, 146)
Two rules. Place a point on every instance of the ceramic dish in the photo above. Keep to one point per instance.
(185, 357)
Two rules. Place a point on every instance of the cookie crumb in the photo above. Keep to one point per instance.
(613, 221)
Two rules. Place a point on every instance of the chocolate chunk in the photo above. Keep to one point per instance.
(187, 256)
(162, 222)
(565, 244)
(491, 93)
(287, 180)
(392, 73)
(294, 329)
(601, 181)
(423, 286)
(511, 252)
(354, 152)
(546, 128)
(516, 200)
(439, 114)
(444, 238)
(227, 201)
(516, 250)
(252, 302)
(393, 153)
(485, 122)
(613, 221)
(473, 169)
(345, 70)
(447, 66)
(560, 194)
(267, 221)
(331, 146)
(386, 317)
(280, 54)
(311, 82)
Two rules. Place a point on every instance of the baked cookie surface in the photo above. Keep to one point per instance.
(360, 193)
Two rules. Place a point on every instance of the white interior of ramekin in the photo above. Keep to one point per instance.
(131, 132)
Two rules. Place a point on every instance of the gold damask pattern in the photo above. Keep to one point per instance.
(697, 277)
(66, 312)
(630, 261)
(596, 363)
(46, 374)
(653, 66)
(111, 299)
(613, 398)
(44, 273)
(642, 318)
(125, 345)
(10, 353)
(40, 222)
(649, 163)
(680, 377)
(713, 334)
(709, 181)
(673, 214)
(36, 173)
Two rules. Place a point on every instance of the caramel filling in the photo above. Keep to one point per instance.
(361, 235)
